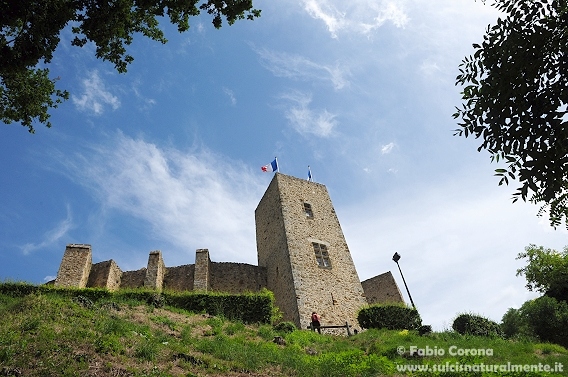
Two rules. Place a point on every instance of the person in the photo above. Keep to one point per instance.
(316, 322)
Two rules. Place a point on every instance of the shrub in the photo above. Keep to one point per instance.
(514, 325)
(285, 327)
(424, 330)
(248, 308)
(471, 324)
(389, 316)
(547, 318)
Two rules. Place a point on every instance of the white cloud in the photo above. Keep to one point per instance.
(231, 95)
(95, 96)
(322, 10)
(386, 149)
(298, 67)
(52, 236)
(358, 16)
(307, 121)
(391, 11)
(458, 239)
(184, 196)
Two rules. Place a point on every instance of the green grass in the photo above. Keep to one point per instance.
(49, 334)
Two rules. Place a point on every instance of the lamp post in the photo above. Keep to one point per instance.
(396, 258)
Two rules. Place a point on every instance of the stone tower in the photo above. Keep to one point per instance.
(301, 245)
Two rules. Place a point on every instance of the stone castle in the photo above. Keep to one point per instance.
(302, 257)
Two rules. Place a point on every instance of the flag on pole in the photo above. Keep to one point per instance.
(310, 179)
(273, 166)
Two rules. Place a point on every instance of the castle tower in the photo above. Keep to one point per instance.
(301, 245)
(75, 267)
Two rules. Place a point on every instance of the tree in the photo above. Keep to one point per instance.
(30, 33)
(515, 97)
(546, 271)
(547, 319)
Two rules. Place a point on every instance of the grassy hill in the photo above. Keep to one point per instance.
(49, 334)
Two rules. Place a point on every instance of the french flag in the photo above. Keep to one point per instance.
(273, 166)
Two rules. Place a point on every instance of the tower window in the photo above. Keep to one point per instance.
(308, 211)
(322, 255)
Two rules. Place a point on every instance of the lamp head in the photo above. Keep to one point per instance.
(396, 257)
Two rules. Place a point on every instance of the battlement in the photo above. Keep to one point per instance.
(78, 271)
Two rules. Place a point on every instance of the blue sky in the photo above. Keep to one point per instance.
(168, 156)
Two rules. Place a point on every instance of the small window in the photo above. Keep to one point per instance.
(308, 210)
(322, 255)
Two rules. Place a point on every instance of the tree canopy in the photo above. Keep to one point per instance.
(515, 97)
(546, 271)
(30, 34)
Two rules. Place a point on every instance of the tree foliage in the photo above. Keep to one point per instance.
(544, 318)
(515, 97)
(30, 34)
(546, 271)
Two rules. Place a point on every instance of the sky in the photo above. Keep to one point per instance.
(168, 156)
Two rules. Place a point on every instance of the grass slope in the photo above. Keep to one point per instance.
(47, 334)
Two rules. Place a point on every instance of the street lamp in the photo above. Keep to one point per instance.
(396, 258)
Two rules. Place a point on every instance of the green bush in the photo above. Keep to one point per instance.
(284, 327)
(389, 316)
(471, 324)
(514, 325)
(248, 308)
(547, 318)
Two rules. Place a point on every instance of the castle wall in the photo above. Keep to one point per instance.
(303, 259)
(75, 266)
(179, 278)
(236, 277)
(133, 279)
(382, 289)
(105, 274)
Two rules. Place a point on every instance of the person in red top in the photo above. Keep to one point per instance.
(316, 322)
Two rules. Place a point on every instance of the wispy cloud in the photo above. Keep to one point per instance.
(52, 236)
(231, 95)
(386, 149)
(298, 67)
(183, 196)
(305, 120)
(95, 96)
(356, 16)
(147, 102)
(322, 10)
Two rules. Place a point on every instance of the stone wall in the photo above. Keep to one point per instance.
(236, 277)
(179, 278)
(201, 276)
(155, 271)
(382, 289)
(105, 274)
(285, 237)
(287, 264)
(75, 266)
(273, 253)
(133, 279)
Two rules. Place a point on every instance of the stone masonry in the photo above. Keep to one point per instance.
(286, 233)
(382, 289)
(202, 263)
(302, 257)
(155, 272)
(75, 267)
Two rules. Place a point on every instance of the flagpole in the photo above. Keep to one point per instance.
(277, 165)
